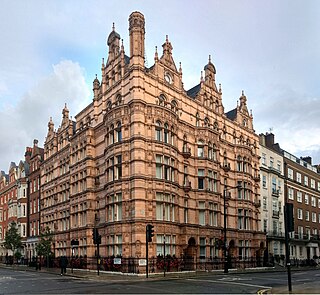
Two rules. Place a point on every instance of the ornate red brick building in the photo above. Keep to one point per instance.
(148, 151)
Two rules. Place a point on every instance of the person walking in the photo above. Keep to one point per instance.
(63, 265)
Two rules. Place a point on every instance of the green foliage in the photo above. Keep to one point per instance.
(18, 255)
(13, 238)
(44, 246)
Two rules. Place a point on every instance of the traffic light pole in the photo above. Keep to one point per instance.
(98, 258)
(286, 222)
(147, 254)
(149, 235)
(164, 256)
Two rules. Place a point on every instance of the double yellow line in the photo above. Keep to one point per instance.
(264, 291)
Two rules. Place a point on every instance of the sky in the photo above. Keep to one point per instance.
(51, 50)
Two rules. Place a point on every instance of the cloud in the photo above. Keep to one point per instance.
(293, 117)
(28, 118)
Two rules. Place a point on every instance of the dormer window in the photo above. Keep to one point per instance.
(244, 123)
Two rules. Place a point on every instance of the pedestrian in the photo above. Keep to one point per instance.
(63, 265)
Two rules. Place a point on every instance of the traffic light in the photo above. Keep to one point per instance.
(149, 232)
(95, 235)
(289, 217)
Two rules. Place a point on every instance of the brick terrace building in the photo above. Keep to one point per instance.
(148, 151)
(303, 190)
(33, 207)
(8, 203)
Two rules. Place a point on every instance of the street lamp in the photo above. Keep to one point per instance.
(225, 251)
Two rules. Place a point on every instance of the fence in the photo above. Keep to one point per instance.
(156, 264)
(138, 265)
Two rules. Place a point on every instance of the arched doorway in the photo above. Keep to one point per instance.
(189, 253)
(191, 250)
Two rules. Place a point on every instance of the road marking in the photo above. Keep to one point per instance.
(263, 291)
(303, 280)
(230, 282)
(7, 278)
(235, 279)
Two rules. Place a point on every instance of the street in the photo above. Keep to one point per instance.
(27, 282)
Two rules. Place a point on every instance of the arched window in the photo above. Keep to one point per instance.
(206, 122)
(214, 152)
(162, 100)
(217, 105)
(185, 147)
(118, 100)
(109, 105)
(239, 163)
(166, 134)
(88, 121)
(119, 73)
(118, 132)
(172, 136)
(158, 131)
(174, 106)
(200, 149)
(111, 134)
(107, 81)
(244, 123)
(210, 151)
(245, 165)
(113, 77)
(197, 120)
(215, 126)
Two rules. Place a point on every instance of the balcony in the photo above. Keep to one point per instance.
(275, 213)
(226, 167)
(187, 186)
(257, 203)
(314, 238)
(256, 177)
(305, 237)
(186, 152)
(275, 192)
(275, 234)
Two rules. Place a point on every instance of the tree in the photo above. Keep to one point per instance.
(13, 240)
(44, 246)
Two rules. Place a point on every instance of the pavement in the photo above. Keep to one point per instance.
(118, 277)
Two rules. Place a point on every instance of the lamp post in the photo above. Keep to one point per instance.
(164, 255)
(225, 251)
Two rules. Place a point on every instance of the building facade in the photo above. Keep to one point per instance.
(8, 203)
(33, 201)
(272, 195)
(303, 190)
(148, 151)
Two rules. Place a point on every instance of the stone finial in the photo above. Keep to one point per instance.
(156, 57)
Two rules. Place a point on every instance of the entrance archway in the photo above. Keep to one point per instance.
(189, 253)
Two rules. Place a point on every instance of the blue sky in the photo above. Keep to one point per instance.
(51, 50)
